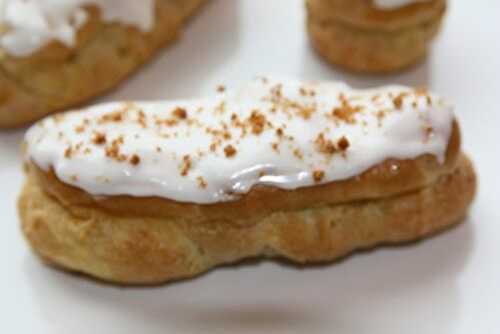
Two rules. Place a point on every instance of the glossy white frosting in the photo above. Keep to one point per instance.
(28, 25)
(393, 4)
(296, 138)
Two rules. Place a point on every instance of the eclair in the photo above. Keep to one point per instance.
(373, 35)
(58, 54)
(148, 192)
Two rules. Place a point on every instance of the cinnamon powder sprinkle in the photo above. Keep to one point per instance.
(115, 116)
(398, 101)
(346, 112)
(380, 116)
(180, 113)
(229, 151)
(429, 132)
(298, 154)
(141, 119)
(306, 112)
(257, 122)
(113, 151)
(186, 165)
(307, 92)
(221, 108)
(99, 138)
(324, 145)
(135, 160)
(80, 129)
(318, 175)
(224, 135)
(343, 144)
(201, 182)
(68, 152)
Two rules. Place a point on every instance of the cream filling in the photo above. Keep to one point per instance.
(281, 133)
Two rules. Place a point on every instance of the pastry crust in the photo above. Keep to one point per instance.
(58, 77)
(144, 249)
(359, 37)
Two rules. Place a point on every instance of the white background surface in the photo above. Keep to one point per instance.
(448, 284)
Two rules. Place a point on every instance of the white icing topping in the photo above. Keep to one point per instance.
(393, 4)
(28, 25)
(286, 134)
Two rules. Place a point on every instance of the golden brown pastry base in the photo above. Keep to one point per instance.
(57, 77)
(146, 249)
(358, 37)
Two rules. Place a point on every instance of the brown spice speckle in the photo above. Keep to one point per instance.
(257, 122)
(135, 160)
(298, 154)
(115, 116)
(324, 145)
(79, 129)
(398, 100)
(305, 112)
(180, 113)
(201, 182)
(113, 151)
(429, 132)
(99, 138)
(229, 151)
(318, 175)
(186, 165)
(346, 112)
(343, 144)
(68, 152)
